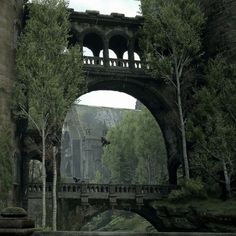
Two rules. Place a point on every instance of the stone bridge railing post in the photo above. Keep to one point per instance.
(84, 194)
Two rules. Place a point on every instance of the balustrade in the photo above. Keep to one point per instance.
(112, 62)
(93, 61)
(104, 188)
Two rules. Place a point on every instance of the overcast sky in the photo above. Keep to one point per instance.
(128, 7)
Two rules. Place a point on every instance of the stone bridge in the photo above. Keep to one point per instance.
(120, 34)
(108, 193)
(78, 203)
(126, 73)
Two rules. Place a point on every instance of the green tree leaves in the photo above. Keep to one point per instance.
(171, 42)
(137, 152)
(49, 76)
(212, 126)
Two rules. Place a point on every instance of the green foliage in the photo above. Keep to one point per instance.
(137, 152)
(6, 175)
(171, 34)
(191, 189)
(49, 73)
(98, 178)
(119, 221)
(171, 42)
(119, 155)
(212, 126)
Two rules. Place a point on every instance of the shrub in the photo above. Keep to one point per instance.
(191, 189)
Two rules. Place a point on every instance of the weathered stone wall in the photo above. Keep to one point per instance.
(220, 35)
(10, 13)
(8, 24)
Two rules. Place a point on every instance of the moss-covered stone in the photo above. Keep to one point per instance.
(12, 212)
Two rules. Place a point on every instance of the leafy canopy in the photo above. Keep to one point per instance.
(49, 71)
(137, 151)
(171, 34)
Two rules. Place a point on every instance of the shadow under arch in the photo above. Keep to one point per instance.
(92, 38)
(81, 215)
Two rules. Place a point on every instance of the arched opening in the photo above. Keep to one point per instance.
(93, 134)
(119, 45)
(118, 220)
(94, 42)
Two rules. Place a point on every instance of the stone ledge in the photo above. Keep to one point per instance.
(16, 223)
(16, 232)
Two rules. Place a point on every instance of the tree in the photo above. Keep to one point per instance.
(119, 155)
(149, 150)
(49, 74)
(212, 127)
(137, 152)
(171, 42)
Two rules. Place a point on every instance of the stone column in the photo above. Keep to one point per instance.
(106, 53)
(131, 54)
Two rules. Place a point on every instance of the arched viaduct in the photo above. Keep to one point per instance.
(118, 33)
(102, 33)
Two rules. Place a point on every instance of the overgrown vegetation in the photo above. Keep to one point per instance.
(49, 78)
(119, 221)
(190, 189)
(212, 126)
(136, 153)
(171, 42)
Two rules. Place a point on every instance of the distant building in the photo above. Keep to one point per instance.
(82, 145)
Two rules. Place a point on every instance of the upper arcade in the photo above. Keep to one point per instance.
(111, 39)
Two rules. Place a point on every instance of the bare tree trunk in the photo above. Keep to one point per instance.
(54, 189)
(182, 129)
(227, 180)
(149, 171)
(43, 181)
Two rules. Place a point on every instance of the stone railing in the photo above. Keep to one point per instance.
(93, 61)
(104, 190)
(112, 62)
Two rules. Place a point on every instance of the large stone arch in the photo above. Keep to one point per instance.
(157, 101)
(78, 215)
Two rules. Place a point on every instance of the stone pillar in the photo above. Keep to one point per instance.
(106, 53)
(14, 221)
(131, 54)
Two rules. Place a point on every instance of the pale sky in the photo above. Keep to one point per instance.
(128, 7)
